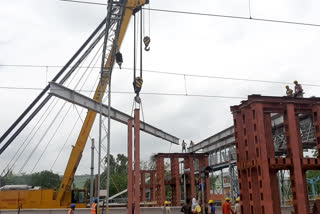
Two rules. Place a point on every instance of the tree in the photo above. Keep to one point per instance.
(44, 179)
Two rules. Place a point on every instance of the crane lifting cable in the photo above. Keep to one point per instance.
(47, 98)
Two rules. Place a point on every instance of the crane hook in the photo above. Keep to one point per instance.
(146, 41)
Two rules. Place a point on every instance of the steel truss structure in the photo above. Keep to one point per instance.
(257, 161)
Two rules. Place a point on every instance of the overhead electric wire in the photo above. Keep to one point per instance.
(168, 73)
(73, 77)
(208, 14)
(95, 83)
(53, 135)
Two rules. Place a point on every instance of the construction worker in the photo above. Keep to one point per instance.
(298, 91)
(289, 91)
(191, 143)
(166, 209)
(184, 146)
(186, 208)
(211, 208)
(94, 208)
(237, 208)
(72, 208)
(194, 205)
(226, 207)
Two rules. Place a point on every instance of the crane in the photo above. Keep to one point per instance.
(116, 22)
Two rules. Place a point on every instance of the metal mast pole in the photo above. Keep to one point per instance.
(92, 172)
(108, 144)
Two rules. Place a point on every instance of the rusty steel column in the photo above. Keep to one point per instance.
(130, 178)
(175, 182)
(267, 178)
(143, 186)
(153, 186)
(316, 124)
(161, 189)
(192, 180)
(298, 176)
(137, 161)
(241, 158)
(203, 163)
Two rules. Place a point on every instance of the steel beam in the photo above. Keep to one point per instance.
(86, 102)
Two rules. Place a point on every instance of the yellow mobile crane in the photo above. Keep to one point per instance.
(118, 17)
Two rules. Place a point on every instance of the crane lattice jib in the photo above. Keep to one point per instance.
(117, 20)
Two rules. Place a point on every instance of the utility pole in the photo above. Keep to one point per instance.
(92, 172)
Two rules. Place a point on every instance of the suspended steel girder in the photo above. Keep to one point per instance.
(86, 102)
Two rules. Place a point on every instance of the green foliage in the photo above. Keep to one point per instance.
(118, 175)
(44, 179)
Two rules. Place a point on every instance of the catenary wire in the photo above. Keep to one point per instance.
(57, 114)
(178, 74)
(208, 14)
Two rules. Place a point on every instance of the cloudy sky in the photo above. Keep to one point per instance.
(37, 32)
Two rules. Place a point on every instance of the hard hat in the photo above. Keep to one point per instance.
(227, 199)
(238, 199)
(166, 203)
(295, 81)
(210, 202)
(287, 86)
(73, 206)
(95, 200)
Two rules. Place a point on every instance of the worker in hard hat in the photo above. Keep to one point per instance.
(166, 209)
(94, 207)
(211, 208)
(237, 208)
(289, 91)
(194, 205)
(226, 207)
(72, 208)
(298, 91)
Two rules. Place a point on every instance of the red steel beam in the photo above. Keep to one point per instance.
(130, 189)
(137, 161)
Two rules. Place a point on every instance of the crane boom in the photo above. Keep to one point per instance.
(76, 153)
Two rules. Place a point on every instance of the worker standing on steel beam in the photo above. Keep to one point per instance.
(237, 208)
(72, 208)
(166, 209)
(226, 207)
(298, 91)
(184, 146)
(289, 91)
(94, 208)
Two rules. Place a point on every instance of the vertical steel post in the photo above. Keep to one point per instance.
(184, 183)
(137, 160)
(298, 175)
(130, 189)
(100, 138)
(92, 172)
